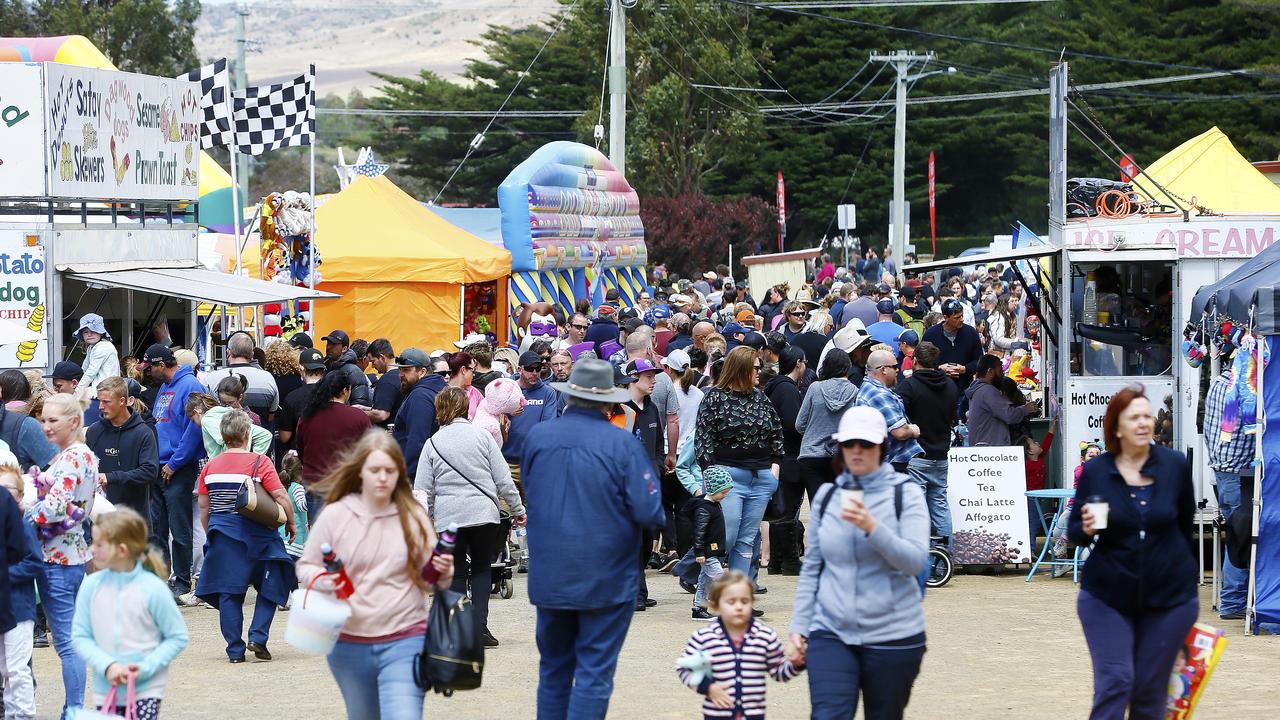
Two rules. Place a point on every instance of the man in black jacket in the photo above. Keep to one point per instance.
(784, 393)
(959, 346)
(929, 397)
(340, 356)
(128, 455)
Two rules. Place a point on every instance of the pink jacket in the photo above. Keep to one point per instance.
(372, 548)
(501, 397)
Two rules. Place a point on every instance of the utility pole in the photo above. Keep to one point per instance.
(617, 85)
(240, 82)
(902, 61)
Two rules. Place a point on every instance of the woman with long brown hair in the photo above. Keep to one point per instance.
(739, 429)
(384, 539)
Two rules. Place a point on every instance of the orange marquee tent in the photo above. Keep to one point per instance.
(399, 268)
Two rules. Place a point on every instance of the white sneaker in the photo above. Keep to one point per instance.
(188, 600)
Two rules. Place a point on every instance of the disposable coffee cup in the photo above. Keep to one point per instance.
(848, 497)
(1100, 508)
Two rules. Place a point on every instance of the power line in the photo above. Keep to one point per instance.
(994, 43)
(453, 113)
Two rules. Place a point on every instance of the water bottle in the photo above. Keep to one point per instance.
(444, 546)
(343, 588)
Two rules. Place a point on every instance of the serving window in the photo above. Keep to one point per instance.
(1123, 319)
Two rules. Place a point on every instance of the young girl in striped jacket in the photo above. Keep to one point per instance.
(727, 660)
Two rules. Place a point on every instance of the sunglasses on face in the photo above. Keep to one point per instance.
(864, 444)
(583, 328)
(757, 368)
(796, 314)
(891, 367)
(533, 368)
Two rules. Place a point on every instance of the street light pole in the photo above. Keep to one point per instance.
(902, 61)
(617, 86)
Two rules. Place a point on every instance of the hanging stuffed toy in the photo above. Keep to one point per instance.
(1193, 352)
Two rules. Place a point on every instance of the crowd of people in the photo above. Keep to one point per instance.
(614, 446)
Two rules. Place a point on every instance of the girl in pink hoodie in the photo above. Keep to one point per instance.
(502, 400)
(385, 539)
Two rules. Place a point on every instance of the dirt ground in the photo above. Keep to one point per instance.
(998, 648)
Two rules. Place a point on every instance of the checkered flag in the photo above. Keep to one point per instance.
(215, 120)
(275, 116)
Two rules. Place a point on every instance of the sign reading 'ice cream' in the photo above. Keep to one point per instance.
(986, 487)
(112, 134)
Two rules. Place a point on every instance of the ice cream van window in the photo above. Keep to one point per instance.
(1122, 318)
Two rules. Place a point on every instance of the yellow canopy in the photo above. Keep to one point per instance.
(1210, 169)
(375, 232)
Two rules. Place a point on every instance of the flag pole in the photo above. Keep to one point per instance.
(311, 274)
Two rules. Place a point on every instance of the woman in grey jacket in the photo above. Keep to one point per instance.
(461, 475)
(858, 622)
(820, 411)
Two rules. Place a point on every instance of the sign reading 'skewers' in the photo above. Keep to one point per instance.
(121, 135)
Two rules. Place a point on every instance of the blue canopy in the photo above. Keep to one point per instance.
(1240, 290)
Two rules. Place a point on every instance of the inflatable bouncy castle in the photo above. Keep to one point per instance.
(215, 184)
(572, 224)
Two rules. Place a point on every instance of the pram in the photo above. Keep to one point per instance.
(503, 564)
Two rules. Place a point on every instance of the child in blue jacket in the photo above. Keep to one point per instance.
(15, 652)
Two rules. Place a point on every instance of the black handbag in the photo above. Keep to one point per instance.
(786, 500)
(453, 655)
(255, 503)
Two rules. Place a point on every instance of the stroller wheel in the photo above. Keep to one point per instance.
(507, 590)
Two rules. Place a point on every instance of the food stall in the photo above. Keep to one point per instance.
(99, 183)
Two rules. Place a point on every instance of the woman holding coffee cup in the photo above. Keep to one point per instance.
(1134, 507)
(858, 622)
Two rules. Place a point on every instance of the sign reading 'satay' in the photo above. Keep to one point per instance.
(116, 135)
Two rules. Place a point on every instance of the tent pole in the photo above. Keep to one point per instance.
(462, 307)
(1250, 627)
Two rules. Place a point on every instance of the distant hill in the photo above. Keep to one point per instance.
(347, 39)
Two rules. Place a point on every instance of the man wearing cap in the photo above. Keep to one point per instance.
(959, 345)
(907, 342)
(339, 356)
(301, 340)
(649, 427)
(909, 313)
(584, 532)
(542, 403)
(876, 391)
(313, 370)
(65, 379)
(181, 447)
(386, 391)
(261, 396)
(416, 418)
(886, 328)
(128, 458)
(929, 400)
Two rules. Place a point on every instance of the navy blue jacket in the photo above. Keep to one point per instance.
(17, 548)
(128, 456)
(966, 351)
(1139, 562)
(599, 331)
(416, 419)
(585, 524)
(22, 576)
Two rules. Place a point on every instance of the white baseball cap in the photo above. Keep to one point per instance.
(677, 360)
(862, 422)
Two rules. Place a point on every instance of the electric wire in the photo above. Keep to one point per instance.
(479, 138)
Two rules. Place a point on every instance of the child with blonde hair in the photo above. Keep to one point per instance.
(127, 626)
(15, 648)
(728, 658)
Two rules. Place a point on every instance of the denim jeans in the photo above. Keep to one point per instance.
(687, 569)
(1132, 655)
(171, 515)
(231, 621)
(579, 654)
(712, 569)
(839, 672)
(376, 679)
(58, 586)
(198, 539)
(931, 476)
(1235, 581)
(743, 509)
(315, 503)
(19, 685)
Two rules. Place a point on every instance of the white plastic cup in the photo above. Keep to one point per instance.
(848, 497)
(315, 621)
(1100, 510)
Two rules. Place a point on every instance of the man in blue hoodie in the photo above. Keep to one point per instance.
(181, 447)
(416, 418)
(541, 402)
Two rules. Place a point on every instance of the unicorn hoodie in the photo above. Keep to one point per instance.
(502, 398)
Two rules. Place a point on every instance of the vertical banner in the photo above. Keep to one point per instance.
(1128, 168)
(933, 218)
(22, 298)
(986, 488)
(22, 170)
(782, 211)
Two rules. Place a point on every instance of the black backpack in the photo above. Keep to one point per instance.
(453, 654)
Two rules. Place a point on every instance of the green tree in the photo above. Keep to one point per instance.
(15, 19)
(155, 37)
